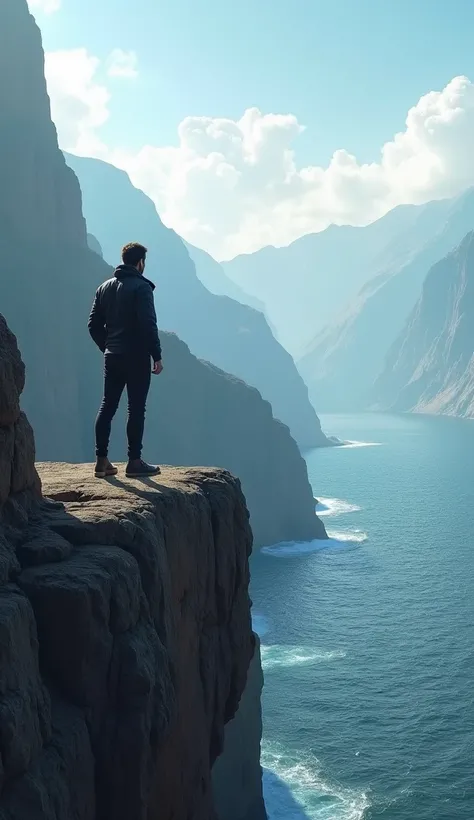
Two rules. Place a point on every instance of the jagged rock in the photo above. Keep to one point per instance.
(124, 642)
(12, 376)
(17, 446)
(144, 640)
(43, 546)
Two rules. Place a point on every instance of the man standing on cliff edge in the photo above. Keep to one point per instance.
(123, 325)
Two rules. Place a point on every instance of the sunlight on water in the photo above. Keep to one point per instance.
(355, 444)
(275, 655)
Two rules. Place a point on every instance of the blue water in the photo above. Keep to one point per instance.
(368, 641)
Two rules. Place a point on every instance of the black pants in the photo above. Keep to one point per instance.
(134, 373)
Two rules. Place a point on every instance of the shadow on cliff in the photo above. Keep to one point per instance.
(279, 801)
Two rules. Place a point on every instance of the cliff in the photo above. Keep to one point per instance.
(214, 278)
(125, 632)
(237, 774)
(48, 276)
(430, 367)
(345, 359)
(232, 336)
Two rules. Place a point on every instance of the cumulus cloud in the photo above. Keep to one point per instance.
(46, 6)
(122, 64)
(232, 186)
(79, 103)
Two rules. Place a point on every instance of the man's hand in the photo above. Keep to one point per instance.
(157, 368)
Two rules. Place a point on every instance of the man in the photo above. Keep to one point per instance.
(123, 325)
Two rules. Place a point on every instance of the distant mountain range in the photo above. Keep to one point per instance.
(430, 367)
(352, 290)
(217, 328)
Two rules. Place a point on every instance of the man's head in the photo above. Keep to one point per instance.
(134, 254)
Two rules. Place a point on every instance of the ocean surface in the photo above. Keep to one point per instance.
(368, 640)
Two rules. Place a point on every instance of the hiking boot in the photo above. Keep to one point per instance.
(104, 469)
(137, 468)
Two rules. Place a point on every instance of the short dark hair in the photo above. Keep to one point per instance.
(133, 253)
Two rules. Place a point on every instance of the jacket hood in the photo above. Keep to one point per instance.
(122, 271)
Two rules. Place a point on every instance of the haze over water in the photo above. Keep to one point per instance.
(368, 641)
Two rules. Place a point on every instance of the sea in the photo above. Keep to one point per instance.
(368, 638)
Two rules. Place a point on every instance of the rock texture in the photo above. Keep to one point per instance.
(17, 447)
(47, 288)
(125, 632)
(237, 775)
(221, 330)
(430, 368)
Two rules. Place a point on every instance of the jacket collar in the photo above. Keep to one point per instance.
(128, 270)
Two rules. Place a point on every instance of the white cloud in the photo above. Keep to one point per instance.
(123, 64)
(46, 6)
(234, 185)
(79, 104)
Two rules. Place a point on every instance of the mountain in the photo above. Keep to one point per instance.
(304, 285)
(234, 337)
(197, 414)
(344, 360)
(214, 279)
(430, 367)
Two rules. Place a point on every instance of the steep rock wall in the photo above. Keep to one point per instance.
(237, 774)
(125, 632)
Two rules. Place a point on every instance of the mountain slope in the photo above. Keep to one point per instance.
(305, 285)
(214, 278)
(346, 358)
(47, 279)
(430, 368)
(221, 330)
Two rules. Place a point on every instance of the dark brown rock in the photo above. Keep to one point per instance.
(237, 775)
(12, 376)
(144, 641)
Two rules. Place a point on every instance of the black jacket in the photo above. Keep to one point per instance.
(123, 318)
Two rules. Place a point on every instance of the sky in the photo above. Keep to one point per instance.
(256, 122)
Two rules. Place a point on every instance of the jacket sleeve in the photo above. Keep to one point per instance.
(147, 321)
(96, 323)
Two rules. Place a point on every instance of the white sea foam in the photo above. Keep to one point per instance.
(338, 540)
(297, 788)
(259, 624)
(334, 506)
(354, 444)
(275, 655)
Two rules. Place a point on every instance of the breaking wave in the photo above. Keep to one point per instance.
(339, 540)
(296, 788)
(334, 506)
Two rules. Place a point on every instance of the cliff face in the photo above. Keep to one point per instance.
(237, 774)
(221, 330)
(125, 632)
(347, 357)
(44, 199)
(430, 367)
(47, 285)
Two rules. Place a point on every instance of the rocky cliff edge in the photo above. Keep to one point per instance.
(125, 634)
